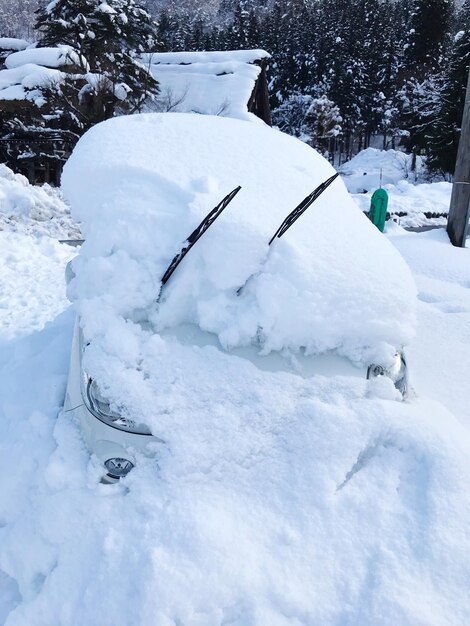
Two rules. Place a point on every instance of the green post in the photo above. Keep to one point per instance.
(378, 208)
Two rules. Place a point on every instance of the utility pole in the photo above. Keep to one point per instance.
(459, 212)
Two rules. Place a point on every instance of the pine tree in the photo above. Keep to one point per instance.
(108, 37)
(445, 132)
(16, 18)
(323, 121)
(430, 23)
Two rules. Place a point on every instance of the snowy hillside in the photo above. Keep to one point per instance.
(276, 500)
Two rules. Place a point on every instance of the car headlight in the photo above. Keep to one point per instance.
(99, 406)
(397, 373)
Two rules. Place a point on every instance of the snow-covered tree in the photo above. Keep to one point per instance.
(428, 35)
(323, 121)
(108, 37)
(290, 115)
(17, 18)
(444, 134)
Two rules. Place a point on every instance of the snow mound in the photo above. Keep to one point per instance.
(311, 503)
(331, 283)
(275, 500)
(363, 172)
(32, 289)
(414, 205)
(37, 211)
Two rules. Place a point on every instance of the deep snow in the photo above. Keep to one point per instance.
(37, 211)
(314, 503)
(412, 201)
(331, 283)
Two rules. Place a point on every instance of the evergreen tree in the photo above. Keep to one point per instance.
(445, 132)
(380, 62)
(17, 18)
(323, 122)
(290, 116)
(108, 38)
(428, 35)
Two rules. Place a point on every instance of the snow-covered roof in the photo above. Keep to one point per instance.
(11, 43)
(17, 83)
(141, 184)
(214, 83)
(60, 56)
(27, 71)
(226, 56)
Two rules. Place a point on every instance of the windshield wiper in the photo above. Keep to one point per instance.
(302, 207)
(197, 234)
(294, 216)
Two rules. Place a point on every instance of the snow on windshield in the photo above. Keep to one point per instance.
(140, 185)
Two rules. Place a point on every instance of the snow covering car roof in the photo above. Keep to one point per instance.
(141, 184)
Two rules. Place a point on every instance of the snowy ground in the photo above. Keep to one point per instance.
(411, 200)
(38, 211)
(351, 510)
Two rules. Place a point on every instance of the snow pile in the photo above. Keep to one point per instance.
(414, 205)
(409, 204)
(331, 283)
(311, 502)
(213, 83)
(362, 173)
(32, 289)
(274, 500)
(38, 211)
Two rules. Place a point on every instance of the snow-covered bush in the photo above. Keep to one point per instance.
(107, 37)
(323, 120)
(290, 115)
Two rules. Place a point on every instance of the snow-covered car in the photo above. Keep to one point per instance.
(178, 311)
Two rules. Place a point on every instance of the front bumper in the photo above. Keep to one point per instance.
(106, 442)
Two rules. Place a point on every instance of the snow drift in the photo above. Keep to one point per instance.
(276, 500)
(31, 209)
